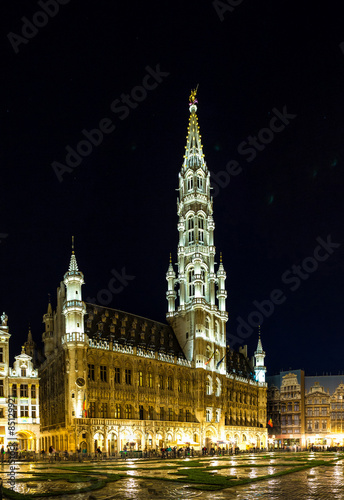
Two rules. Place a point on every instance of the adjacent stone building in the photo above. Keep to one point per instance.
(21, 384)
(112, 379)
(306, 411)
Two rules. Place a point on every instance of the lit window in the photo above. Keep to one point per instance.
(23, 372)
(208, 415)
(150, 380)
(170, 384)
(33, 392)
(118, 411)
(140, 379)
(128, 411)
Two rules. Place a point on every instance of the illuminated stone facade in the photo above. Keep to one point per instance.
(306, 411)
(21, 383)
(113, 379)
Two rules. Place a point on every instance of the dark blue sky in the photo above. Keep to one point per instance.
(70, 75)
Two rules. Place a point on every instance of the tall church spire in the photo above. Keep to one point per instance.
(200, 317)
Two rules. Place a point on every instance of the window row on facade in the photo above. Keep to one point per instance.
(127, 411)
(23, 391)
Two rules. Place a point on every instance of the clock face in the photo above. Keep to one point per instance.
(80, 382)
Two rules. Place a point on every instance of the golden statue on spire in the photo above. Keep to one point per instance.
(192, 97)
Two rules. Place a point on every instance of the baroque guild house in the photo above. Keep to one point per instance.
(21, 384)
(112, 379)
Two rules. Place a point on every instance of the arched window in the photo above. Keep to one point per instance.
(200, 183)
(203, 282)
(190, 226)
(208, 386)
(201, 230)
(216, 331)
(207, 327)
(191, 278)
(189, 181)
(128, 411)
(118, 411)
(218, 387)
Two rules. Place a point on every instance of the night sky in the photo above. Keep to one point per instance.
(252, 62)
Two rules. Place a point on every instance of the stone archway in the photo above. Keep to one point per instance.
(112, 442)
(98, 441)
(26, 441)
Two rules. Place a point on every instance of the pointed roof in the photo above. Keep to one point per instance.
(50, 310)
(193, 149)
(259, 345)
(73, 265)
(29, 337)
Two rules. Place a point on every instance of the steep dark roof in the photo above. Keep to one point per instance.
(237, 363)
(105, 324)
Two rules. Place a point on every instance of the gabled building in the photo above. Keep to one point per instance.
(113, 379)
(306, 411)
(19, 392)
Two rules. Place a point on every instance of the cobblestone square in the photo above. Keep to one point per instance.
(273, 476)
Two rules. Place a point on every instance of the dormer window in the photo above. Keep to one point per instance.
(23, 372)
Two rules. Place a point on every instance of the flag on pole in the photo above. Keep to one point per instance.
(84, 411)
(211, 357)
(270, 423)
(218, 364)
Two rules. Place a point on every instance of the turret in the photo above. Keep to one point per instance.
(259, 357)
(74, 308)
(48, 335)
(30, 345)
(171, 294)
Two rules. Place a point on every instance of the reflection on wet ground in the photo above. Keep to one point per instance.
(147, 479)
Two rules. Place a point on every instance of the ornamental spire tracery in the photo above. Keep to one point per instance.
(200, 311)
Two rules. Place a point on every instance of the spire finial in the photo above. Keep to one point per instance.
(170, 258)
(73, 245)
(220, 257)
(192, 98)
(259, 331)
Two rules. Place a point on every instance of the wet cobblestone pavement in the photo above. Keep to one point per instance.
(141, 479)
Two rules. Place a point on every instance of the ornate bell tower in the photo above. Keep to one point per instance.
(75, 340)
(199, 317)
